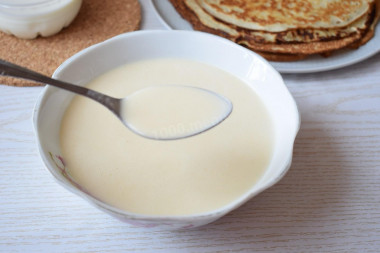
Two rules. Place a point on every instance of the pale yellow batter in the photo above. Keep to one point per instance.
(187, 176)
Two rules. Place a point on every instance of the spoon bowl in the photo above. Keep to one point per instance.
(173, 112)
(173, 100)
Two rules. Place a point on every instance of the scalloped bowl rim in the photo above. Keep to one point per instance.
(212, 215)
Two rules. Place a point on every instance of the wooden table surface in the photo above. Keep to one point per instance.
(328, 202)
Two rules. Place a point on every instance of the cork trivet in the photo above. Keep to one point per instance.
(97, 21)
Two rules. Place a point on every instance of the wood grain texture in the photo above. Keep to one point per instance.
(328, 202)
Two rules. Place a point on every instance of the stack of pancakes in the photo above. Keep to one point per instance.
(285, 30)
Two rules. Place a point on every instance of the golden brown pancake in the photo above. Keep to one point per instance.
(282, 15)
(278, 57)
(371, 29)
(288, 45)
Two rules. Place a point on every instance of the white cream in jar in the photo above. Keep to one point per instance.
(27, 19)
(188, 176)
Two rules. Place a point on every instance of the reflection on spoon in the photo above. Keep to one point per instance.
(159, 112)
(173, 111)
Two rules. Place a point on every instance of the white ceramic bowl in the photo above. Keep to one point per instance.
(130, 47)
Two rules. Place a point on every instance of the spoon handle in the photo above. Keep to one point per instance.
(13, 70)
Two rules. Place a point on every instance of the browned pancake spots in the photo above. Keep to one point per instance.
(290, 45)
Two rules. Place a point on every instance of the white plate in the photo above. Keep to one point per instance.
(172, 20)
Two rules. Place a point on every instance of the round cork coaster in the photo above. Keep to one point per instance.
(97, 21)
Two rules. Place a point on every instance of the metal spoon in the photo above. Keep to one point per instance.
(117, 106)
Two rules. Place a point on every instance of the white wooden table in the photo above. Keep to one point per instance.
(328, 202)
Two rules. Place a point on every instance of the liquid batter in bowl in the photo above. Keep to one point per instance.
(187, 176)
